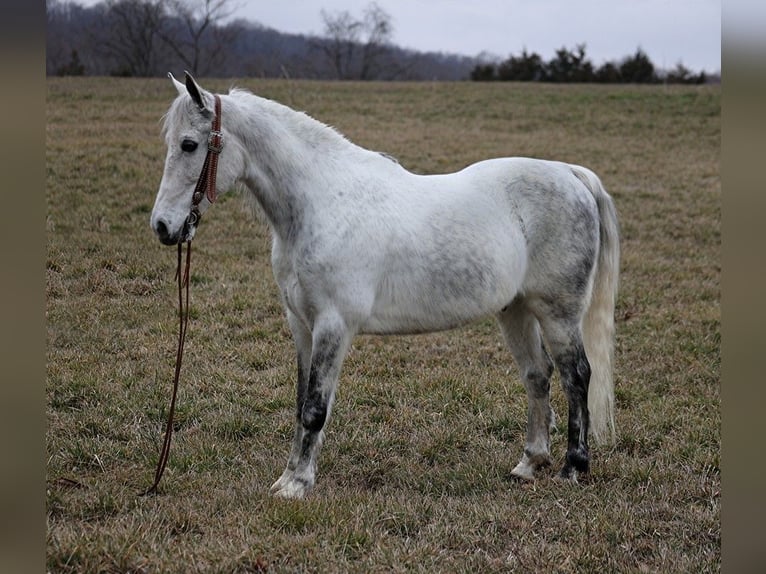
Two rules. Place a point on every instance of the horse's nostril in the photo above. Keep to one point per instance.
(161, 228)
(163, 232)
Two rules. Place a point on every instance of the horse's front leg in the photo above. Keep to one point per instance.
(330, 340)
(302, 340)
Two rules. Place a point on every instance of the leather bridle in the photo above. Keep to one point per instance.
(206, 182)
(205, 188)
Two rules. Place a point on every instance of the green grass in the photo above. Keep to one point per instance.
(414, 475)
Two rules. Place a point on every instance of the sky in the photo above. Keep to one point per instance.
(668, 31)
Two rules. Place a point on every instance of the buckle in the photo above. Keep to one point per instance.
(211, 141)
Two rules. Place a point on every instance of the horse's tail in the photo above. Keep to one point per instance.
(598, 325)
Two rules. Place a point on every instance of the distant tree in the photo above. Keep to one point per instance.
(194, 34)
(484, 73)
(638, 69)
(609, 73)
(683, 75)
(525, 68)
(356, 48)
(57, 39)
(72, 68)
(379, 30)
(66, 31)
(342, 31)
(700, 78)
(569, 66)
(130, 35)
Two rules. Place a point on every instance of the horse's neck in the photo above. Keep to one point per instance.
(283, 147)
(285, 138)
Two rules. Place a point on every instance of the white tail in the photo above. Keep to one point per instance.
(598, 326)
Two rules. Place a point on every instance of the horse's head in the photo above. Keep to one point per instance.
(188, 124)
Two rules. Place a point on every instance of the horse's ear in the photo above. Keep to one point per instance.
(197, 93)
(179, 86)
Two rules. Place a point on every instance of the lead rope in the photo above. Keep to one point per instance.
(205, 187)
(183, 322)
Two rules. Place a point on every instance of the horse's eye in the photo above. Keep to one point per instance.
(188, 145)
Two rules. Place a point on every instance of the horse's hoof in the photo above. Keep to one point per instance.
(281, 482)
(524, 471)
(567, 474)
(529, 464)
(291, 486)
(292, 490)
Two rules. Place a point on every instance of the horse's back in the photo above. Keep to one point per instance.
(469, 242)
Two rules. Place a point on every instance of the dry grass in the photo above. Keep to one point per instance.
(415, 472)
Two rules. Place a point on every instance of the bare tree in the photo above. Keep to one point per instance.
(58, 44)
(130, 34)
(377, 24)
(355, 47)
(342, 31)
(197, 38)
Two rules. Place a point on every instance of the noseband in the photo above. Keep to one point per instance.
(206, 182)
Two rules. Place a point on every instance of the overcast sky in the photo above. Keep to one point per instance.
(669, 31)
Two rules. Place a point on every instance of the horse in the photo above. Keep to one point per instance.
(361, 245)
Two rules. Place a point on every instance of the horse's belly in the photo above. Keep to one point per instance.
(442, 297)
(404, 321)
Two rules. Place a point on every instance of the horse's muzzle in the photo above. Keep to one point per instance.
(184, 234)
(164, 235)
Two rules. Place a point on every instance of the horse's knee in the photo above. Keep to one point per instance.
(538, 383)
(314, 413)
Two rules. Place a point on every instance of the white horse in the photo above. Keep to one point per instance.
(361, 245)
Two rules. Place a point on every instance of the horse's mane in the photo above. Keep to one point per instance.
(308, 127)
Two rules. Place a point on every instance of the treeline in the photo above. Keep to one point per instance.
(151, 37)
(574, 66)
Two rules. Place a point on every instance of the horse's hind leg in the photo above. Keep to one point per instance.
(330, 341)
(563, 332)
(522, 334)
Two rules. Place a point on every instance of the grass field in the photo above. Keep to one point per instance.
(414, 475)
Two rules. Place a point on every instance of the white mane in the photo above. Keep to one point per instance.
(285, 119)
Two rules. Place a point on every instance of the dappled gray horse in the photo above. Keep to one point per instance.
(361, 245)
